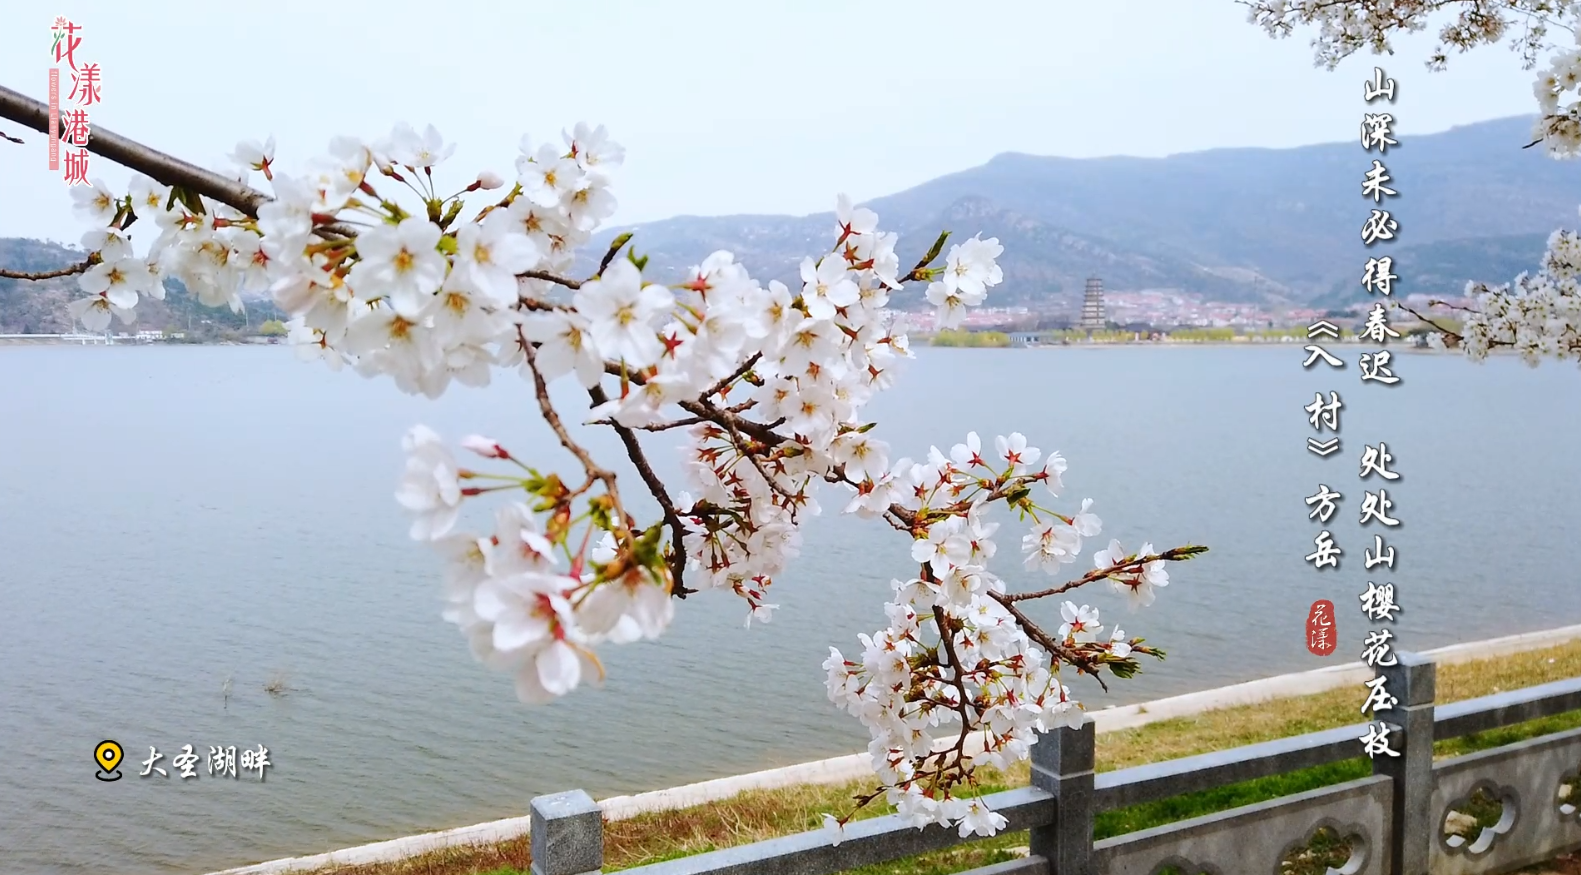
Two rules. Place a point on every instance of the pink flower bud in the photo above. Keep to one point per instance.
(489, 180)
(484, 447)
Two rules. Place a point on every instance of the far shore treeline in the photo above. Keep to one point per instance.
(996, 338)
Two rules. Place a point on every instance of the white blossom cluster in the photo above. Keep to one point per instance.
(522, 609)
(1538, 316)
(770, 384)
(956, 652)
(1346, 26)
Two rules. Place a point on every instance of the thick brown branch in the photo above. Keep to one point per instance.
(47, 274)
(166, 168)
(895, 522)
(157, 165)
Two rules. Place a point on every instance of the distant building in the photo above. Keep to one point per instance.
(1025, 338)
(1092, 315)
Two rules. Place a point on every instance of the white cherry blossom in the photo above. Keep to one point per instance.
(94, 202)
(429, 487)
(402, 263)
(620, 310)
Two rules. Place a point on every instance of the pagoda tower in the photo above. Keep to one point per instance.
(1092, 315)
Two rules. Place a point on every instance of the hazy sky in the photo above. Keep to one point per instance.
(723, 107)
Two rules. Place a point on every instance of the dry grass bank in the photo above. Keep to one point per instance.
(764, 814)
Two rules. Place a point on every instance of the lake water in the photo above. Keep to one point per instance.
(175, 518)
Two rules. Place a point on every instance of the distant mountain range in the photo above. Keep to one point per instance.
(39, 306)
(1276, 226)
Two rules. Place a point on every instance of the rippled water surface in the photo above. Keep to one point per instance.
(173, 520)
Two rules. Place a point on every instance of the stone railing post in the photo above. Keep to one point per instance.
(1411, 681)
(1062, 764)
(567, 834)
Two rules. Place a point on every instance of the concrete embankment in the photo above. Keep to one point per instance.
(856, 766)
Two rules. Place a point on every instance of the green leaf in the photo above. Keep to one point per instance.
(192, 201)
(1124, 669)
(938, 246)
(646, 548)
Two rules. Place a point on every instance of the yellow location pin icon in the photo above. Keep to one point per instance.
(108, 756)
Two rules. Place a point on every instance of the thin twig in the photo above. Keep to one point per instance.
(1178, 554)
(659, 493)
(1441, 329)
(1434, 302)
(614, 247)
(702, 408)
(1035, 632)
(738, 373)
(593, 470)
(685, 421)
(550, 278)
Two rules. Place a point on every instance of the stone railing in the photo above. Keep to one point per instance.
(1393, 822)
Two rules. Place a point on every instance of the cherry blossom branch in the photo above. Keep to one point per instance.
(157, 165)
(429, 303)
(705, 409)
(720, 387)
(672, 518)
(919, 271)
(1347, 26)
(947, 636)
(690, 420)
(569, 283)
(1434, 302)
(593, 470)
(1055, 649)
(1136, 563)
(164, 167)
(747, 451)
(1439, 328)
